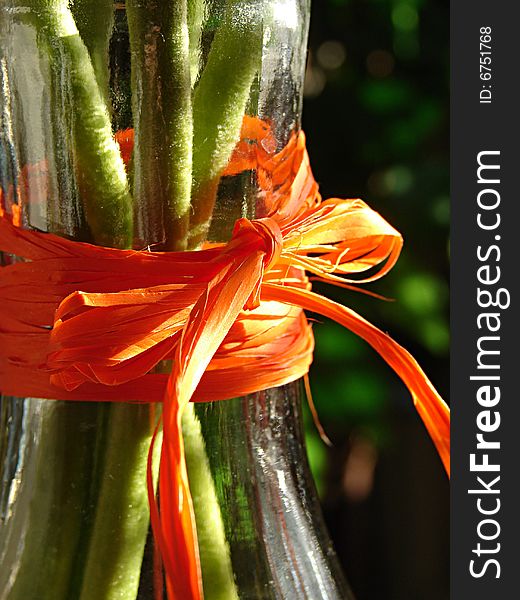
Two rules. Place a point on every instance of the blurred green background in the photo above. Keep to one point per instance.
(376, 114)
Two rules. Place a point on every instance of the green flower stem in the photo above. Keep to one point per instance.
(102, 177)
(218, 107)
(60, 501)
(113, 566)
(95, 21)
(161, 84)
(149, 156)
(160, 69)
(118, 532)
(217, 573)
(196, 18)
(178, 119)
(176, 90)
(74, 532)
(219, 104)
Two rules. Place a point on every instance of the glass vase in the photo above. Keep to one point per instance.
(74, 520)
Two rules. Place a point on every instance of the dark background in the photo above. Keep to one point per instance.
(376, 114)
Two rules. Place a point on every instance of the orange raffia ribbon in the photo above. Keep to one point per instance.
(230, 316)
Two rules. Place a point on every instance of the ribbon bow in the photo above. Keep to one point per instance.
(230, 317)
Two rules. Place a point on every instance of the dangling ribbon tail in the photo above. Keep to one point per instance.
(208, 324)
(431, 407)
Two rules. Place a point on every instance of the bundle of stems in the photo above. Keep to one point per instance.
(187, 118)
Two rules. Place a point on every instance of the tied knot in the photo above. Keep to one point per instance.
(261, 234)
